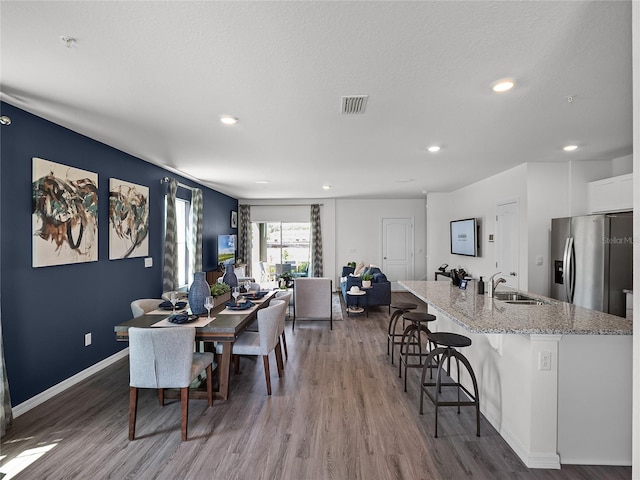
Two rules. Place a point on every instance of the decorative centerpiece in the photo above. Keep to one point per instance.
(366, 280)
(221, 292)
(230, 277)
(198, 291)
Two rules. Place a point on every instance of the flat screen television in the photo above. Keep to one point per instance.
(464, 237)
(226, 249)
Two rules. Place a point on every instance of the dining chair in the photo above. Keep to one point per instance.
(262, 342)
(164, 358)
(144, 305)
(285, 296)
(312, 299)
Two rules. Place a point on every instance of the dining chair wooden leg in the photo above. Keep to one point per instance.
(284, 344)
(209, 386)
(236, 364)
(267, 373)
(133, 407)
(184, 404)
(161, 396)
(279, 362)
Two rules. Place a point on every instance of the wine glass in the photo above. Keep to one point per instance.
(235, 293)
(247, 285)
(208, 304)
(174, 300)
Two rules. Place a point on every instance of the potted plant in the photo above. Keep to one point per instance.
(366, 280)
(284, 280)
(221, 292)
(351, 264)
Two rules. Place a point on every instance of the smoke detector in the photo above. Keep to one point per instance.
(354, 104)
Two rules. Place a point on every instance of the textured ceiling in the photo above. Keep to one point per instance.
(152, 79)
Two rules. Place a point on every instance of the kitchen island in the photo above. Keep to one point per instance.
(555, 379)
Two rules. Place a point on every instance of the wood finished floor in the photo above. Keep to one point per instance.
(339, 412)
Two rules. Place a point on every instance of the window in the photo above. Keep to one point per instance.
(280, 243)
(182, 224)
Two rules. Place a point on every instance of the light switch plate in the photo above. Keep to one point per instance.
(148, 262)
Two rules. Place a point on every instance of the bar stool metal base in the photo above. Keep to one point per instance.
(445, 350)
(401, 308)
(411, 344)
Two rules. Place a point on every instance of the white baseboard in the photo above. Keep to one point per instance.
(69, 382)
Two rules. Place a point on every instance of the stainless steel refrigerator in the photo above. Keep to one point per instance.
(592, 260)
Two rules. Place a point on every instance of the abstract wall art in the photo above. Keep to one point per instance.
(64, 214)
(128, 220)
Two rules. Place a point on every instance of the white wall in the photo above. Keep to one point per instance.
(622, 165)
(547, 198)
(351, 229)
(299, 210)
(580, 173)
(478, 200)
(359, 230)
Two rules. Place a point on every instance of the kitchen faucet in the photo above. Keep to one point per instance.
(494, 284)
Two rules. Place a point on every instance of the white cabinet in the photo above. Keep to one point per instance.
(613, 194)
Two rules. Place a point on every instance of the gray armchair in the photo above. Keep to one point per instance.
(312, 299)
(163, 358)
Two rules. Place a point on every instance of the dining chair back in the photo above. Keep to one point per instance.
(144, 305)
(262, 342)
(163, 358)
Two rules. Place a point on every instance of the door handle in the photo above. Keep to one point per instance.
(513, 274)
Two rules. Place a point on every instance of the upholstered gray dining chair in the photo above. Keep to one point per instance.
(163, 357)
(262, 342)
(144, 305)
(285, 296)
(312, 299)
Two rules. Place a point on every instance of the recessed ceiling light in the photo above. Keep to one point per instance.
(67, 41)
(570, 148)
(403, 180)
(263, 182)
(228, 119)
(326, 187)
(434, 148)
(503, 85)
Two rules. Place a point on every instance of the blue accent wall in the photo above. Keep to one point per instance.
(47, 311)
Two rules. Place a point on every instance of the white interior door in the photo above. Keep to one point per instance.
(506, 241)
(397, 248)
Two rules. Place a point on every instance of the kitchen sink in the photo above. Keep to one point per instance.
(511, 296)
(519, 298)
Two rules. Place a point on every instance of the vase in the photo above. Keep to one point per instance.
(230, 277)
(366, 283)
(198, 291)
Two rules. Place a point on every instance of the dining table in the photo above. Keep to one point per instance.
(224, 327)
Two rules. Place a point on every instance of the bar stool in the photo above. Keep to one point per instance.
(446, 343)
(400, 308)
(412, 337)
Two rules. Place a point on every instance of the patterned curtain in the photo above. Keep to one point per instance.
(170, 268)
(244, 236)
(316, 242)
(195, 231)
(6, 414)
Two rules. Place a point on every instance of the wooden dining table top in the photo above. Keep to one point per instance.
(225, 326)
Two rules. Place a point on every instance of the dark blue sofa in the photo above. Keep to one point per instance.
(380, 293)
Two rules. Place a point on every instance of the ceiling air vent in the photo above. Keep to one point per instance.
(354, 104)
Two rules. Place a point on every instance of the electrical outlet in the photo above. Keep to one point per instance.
(544, 360)
(148, 262)
(87, 339)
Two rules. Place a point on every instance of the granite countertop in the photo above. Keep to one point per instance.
(481, 314)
